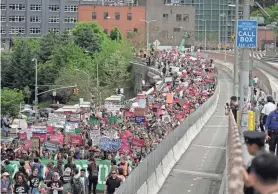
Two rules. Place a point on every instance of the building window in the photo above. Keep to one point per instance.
(16, 31)
(35, 7)
(105, 15)
(53, 19)
(177, 29)
(35, 30)
(178, 17)
(35, 19)
(3, 31)
(3, 18)
(54, 8)
(71, 8)
(117, 15)
(3, 6)
(17, 7)
(68, 31)
(105, 31)
(54, 30)
(165, 16)
(94, 15)
(185, 17)
(16, 18)
(135, 29)
(70, 20)
(129, 16)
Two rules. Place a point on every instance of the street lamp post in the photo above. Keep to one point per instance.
(236, 63)
(36, 80)
(148, 33)
(226, 34)
(205, 34)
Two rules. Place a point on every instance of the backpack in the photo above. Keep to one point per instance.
(77, 186)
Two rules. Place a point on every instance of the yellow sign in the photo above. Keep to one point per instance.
(233, 36)
(251, 121)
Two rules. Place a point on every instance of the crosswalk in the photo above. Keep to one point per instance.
(257, 54)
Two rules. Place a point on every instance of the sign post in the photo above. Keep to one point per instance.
(247, 31)
(246, 39)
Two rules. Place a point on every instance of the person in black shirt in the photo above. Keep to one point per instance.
(112, 183)
(70, 164)
(21, 187)
(34, 181)
(56, 185)
(234, 106)
(66, 180)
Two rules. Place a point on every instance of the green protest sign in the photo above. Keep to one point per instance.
(119, 121)
(112, 119)
(104, 168)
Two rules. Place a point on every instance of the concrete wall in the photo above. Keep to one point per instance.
(163, 28)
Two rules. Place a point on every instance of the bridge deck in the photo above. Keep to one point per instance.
(201, 167)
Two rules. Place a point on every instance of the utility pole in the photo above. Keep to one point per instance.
(148, 32)
(244, 75)
(226, 37)
(236, 63)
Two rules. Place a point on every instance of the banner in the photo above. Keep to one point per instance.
(51, 145)
(35, 144)
(108, 144)
(57, 138)
(139, 111)
(140, 120)
(70, 127)
(38, 129)
(95, 136)
(22, 135)
(169, 98)
(138, 142)
(104, 168)
(42, 136)
(75, 140)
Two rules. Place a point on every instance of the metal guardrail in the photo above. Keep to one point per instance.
(272, 70)
(234, 159)
(149, 165)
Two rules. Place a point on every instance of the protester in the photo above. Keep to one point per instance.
(271, 130)
(21, 186)
(6, 185)
(112, 183)
(93, 176)
(34, 181)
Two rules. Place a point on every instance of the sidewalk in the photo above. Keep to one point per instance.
(273, 84)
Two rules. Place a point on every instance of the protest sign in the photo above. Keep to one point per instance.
(49, 130)
(142, 103)
(22, 135)
(75, 140)
(137, 142)
(51, 145)
(70, 127)
(125, 149)
(42, 136)
(35, 144)
(140, 119)
(128, 114)
(179, 115)
(168, 79)
(139, 111)
(108, 144)
(38, 129)
(94, 121)
(56, 138)
(112, 119)
(169, 98)
(95, 136)
(126, 134)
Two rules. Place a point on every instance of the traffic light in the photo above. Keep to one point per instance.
(75, 91)
(233, 37)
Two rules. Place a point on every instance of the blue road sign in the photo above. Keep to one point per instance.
(247, 31)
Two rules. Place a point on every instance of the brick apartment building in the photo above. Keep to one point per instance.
(126, 18)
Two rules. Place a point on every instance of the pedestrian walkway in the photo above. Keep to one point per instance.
(201, 167)
(273, 84)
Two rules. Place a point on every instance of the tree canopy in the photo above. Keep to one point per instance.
(63, 59)
(115, 34)
(10, 101)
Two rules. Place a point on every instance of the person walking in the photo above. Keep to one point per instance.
(34, 181)
(112, 183)
(267, 109)
(93, 170)
(271, 130)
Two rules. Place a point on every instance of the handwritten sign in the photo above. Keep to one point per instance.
(108, 144)
(35, 144)
(140, 119)
(75, 140)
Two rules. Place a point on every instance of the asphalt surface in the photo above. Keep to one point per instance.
(200, 169)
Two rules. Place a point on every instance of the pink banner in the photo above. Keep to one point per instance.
(125, 149)
(128, 114)
(49, 130)
(57, 138)
(75, 140)
(179, 115)
(22, 136)
(137, 142)
(42, 136)
(126, 134)
(27, 145)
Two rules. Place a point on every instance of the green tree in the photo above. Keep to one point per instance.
(115, 34)
(27, 93)
(20, 69)
(10, 100)
(89, 36)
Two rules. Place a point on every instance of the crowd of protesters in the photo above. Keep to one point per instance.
(188, 81)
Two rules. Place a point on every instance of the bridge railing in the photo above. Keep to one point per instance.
(149, 175)
(234, 159)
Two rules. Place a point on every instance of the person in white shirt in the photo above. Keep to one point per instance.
(267, 109)
(255, 80)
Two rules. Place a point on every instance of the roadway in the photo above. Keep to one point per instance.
(201, 167)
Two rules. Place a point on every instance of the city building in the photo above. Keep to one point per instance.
(170, 22)
(33, 18)
(127, 17)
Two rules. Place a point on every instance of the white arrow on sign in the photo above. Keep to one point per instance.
(156, 43)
